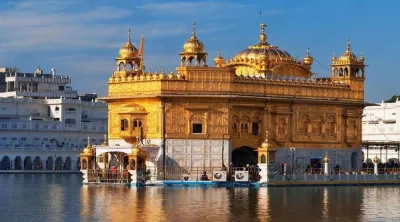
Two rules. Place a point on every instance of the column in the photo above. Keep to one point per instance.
(326, 165)
(376, 162)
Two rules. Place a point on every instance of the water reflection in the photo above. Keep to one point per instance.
(63, 198)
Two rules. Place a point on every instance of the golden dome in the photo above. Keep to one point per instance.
(376, 159)
(308, 60)
(128, 51)
(88, 149)
(326, 158)
(218, 61)
(263, 50)
(193, 45)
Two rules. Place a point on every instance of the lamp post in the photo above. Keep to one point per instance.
(292, 150)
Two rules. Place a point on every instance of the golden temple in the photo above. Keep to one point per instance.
(213, 116)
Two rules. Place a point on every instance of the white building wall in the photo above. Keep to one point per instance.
(381, 123)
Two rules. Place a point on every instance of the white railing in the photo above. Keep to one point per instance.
(50, 126)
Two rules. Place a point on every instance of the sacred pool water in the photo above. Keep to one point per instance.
(64, 198)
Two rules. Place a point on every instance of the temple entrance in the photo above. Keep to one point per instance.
(118, 160)
(5, 163)
(243, 156)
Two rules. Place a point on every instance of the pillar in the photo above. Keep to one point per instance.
(376, 162)
(326, 165)
(266, 160)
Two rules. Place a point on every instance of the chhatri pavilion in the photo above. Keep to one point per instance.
(262, 105)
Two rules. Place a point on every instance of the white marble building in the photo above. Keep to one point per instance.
(42, 120)
(381, 124)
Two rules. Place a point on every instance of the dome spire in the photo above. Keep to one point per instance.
(129, 35)
(263, 36)
(194, 29)
(348, 45)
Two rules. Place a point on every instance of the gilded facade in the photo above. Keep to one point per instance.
(200, 115)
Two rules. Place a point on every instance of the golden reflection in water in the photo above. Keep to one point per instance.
(118, 203)
(263, 204)
(325, 204)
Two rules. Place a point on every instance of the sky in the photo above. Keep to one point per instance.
(81, 38)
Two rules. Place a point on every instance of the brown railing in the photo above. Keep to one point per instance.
(108, 176)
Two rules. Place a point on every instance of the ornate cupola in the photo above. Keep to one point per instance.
(350, 70)
(130, 59)
(347, 65)
(219, 61)
(193, 51)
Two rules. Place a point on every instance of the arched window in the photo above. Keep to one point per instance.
(121, 67)
(129, 67)
(254, 129)
(335, 72)
(304, 125)
(124, 124)
(346, 72)
(263, 159)
(234, 128)
(340, 72)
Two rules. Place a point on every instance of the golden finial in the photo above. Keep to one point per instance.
(162, 70)
(308, 52)
(362, 56)
(88, 142)
(348, 45)
(129, 35)
(105, 140)
(218, 54)
(194, 29)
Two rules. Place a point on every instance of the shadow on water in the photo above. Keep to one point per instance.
(63, 198)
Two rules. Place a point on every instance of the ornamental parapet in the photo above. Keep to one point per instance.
(146, 77)
(293, 82)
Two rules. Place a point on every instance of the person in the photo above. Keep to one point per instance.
(204, 177)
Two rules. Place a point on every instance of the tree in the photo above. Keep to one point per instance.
(392, 100)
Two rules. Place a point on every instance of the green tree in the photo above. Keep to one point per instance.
(392, 100)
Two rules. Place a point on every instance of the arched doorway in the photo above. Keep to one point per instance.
(37, 163)
(354, 158)
(68, 162)
(5, 163)
(59, 163)
(244, 155)
(78, 164)
(49, 163)
(28, 163)
(18, 163)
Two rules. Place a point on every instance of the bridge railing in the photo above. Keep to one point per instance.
(204, 173)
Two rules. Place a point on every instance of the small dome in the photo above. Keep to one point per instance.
(219, 61)
(308, 59)
(376, 159)
(128, 51)
(193, 45)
